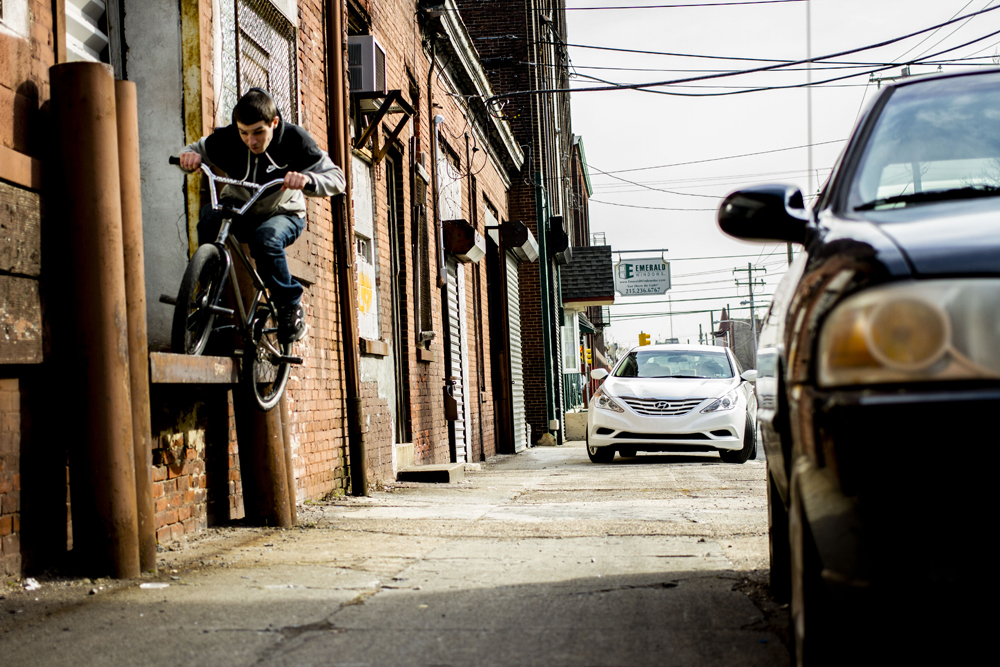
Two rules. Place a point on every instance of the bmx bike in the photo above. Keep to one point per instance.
(266, 362)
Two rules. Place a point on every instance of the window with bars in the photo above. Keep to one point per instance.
(258, 51)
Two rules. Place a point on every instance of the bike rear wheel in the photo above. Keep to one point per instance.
(264, 373)
(198, 294)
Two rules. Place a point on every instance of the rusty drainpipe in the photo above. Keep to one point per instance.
(340, 153)
(135, 298)
(434, 121)
(105, 525)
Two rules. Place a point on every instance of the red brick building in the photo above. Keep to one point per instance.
(439, 168)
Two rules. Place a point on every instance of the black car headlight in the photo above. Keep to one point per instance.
(918, 331)
(604, 401)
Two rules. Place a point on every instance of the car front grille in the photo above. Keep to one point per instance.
(661, 407)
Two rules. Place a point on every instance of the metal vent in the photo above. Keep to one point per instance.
(258, 51)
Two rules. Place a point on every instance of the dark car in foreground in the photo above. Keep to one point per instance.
(878, 374)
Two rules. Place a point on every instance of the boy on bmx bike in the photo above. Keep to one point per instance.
(260, 147)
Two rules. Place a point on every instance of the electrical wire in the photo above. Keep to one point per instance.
(765, 68)
(678, 6)
(727, 157)
(651, 208)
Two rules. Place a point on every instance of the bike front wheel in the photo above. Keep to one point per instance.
(265, 372)
(194, 313)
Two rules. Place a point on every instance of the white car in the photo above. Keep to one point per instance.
(674, 398)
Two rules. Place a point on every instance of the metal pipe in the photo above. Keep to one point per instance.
(135, 299)
(544, 268)
(477, 303)
(105, 524)
(286, 437)
(340, 152)
(260, 435)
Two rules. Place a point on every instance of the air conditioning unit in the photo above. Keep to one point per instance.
(366, 60)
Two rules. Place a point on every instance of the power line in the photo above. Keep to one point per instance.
(718, 159)
(649, 187)
(651, 208)
(766, 68)
(707, 298)
(643, 316)
(700, 4)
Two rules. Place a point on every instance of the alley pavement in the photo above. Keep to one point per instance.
(542, 558)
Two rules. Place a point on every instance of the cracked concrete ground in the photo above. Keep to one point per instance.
(537, 559)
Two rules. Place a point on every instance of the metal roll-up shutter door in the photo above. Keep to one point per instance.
(454, 353)
(516, 366)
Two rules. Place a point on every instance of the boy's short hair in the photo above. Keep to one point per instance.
(254, 107)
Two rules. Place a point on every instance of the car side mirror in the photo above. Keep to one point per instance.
(765, 213)
(598, 374)
(750, 375)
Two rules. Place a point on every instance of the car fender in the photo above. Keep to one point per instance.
(834, 523)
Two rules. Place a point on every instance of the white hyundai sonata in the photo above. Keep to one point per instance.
(674, 398)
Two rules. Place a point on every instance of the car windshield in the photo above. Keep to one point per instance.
(675, 363)
(933, 141)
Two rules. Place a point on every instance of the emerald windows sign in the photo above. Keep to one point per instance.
(639, 277)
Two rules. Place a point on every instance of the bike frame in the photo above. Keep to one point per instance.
(229, 245)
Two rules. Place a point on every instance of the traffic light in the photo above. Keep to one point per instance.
(590, 361)
(644, 339)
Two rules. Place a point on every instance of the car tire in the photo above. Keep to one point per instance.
(749, 450)
(627, 452)
(601, 454)
(777, 535)
(814, 619)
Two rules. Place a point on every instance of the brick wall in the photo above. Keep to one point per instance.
(24, 88)
(10, 478)
(316, 391)
(196, 468)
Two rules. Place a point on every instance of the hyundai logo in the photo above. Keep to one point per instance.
(662, 405)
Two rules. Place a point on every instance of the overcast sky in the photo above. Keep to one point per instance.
(629, 130)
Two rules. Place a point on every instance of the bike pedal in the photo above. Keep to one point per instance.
(166, 298)
(295, 361)
(219, 310)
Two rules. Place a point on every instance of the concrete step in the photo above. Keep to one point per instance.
(440, 473)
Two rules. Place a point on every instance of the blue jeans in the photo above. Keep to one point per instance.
(267, 238)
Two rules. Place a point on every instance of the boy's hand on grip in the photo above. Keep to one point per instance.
(190, 160)
(295, 181)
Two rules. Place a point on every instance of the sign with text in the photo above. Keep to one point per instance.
(639, 277)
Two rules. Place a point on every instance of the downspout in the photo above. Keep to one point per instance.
(339, 143)
(478, 308)
(542, 216)
(435, 121)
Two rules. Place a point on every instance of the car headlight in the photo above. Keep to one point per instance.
(927, 330)
(727, 402)
(604, 401)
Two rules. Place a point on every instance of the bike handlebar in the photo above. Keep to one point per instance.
(213, 179)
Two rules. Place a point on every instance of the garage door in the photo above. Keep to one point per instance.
(516, 366)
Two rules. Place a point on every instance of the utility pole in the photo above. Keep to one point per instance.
(751, 283)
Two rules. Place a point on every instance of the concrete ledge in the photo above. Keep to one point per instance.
(375, 348)
(441, 473)
(404, 455)
(166, 368)
(425, 355)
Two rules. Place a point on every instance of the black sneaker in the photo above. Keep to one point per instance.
(291, 324)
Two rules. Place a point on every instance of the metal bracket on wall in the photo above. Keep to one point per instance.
(371, 109)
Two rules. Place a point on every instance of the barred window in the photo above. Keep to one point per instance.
(258, 51)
